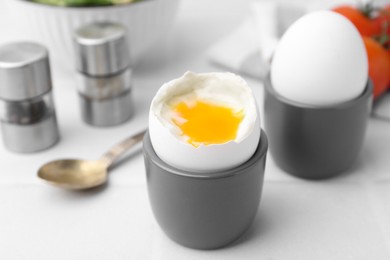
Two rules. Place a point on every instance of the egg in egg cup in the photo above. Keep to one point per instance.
(205, 157)
(318, 96)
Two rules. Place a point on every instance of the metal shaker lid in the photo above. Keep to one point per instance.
(24, 71)
(101, 48)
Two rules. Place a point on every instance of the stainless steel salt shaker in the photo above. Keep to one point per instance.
(103, 63)
(27, 113)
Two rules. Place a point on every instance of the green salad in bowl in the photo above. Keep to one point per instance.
(84, 2)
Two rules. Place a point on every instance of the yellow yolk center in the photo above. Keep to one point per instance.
(206, 123)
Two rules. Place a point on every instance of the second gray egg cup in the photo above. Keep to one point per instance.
(205, 210)
(315, 142)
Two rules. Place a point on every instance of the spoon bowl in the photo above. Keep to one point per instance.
(74, 174)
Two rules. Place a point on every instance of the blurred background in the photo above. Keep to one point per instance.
(344, 218)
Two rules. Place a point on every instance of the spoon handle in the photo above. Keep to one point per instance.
(117, 150)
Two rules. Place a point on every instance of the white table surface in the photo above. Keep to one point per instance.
(347, 217)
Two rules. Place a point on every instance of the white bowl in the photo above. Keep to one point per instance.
(147, 22)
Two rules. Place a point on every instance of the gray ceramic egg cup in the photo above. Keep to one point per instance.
(205, 210)
(315, 142)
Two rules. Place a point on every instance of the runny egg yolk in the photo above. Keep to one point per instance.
(207, 123)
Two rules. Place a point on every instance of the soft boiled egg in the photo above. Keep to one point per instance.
(320, 60)
(204, 122)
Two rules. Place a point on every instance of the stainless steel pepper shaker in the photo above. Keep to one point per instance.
(103, 63)
(27, 113)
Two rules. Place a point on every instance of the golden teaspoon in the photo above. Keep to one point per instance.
(84, 174)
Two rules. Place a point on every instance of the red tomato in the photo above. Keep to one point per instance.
(379, 66)
(365, 25)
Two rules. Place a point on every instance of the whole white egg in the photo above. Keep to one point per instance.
(226, 91)
(320, 60)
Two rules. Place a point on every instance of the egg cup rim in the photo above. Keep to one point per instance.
(260, 153)
(367, 93)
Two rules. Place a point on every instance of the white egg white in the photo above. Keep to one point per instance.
(219, 88)
(320, 60)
